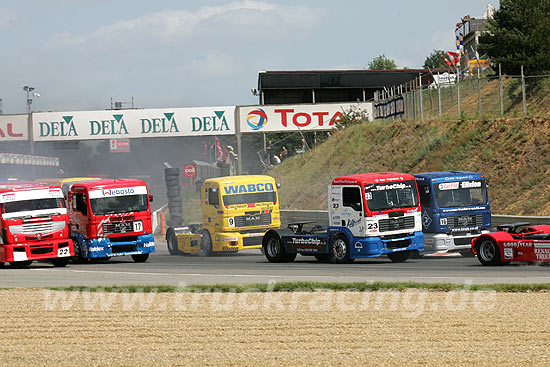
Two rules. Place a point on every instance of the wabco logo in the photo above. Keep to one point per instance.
(210, 123)
(58, 128)
(238, 189)
(166, 124)
(116, 192)
(257, 119)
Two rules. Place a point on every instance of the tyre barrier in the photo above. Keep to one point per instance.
(171, 177)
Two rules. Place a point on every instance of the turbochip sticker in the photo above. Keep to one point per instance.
(508, 253)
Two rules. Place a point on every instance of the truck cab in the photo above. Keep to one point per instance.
(236, 212)
(455, 209)
(111, 217)
(34, 225)
(370, 215)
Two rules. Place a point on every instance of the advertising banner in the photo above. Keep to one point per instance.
(125, 124)
(14, 127)
(296, 117)
(119, 145)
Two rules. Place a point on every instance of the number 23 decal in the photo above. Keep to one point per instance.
(372, 226)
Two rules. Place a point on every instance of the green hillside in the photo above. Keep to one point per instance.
(513, 153)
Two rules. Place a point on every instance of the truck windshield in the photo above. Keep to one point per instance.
(119, 204)
(34, 204)
(250, 198)
(385, 196)
(460, 194)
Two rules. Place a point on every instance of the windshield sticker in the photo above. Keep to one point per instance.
(118, 191)
(449, 186)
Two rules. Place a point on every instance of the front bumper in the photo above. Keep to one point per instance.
(42, 250)
(235, 241)
(376, 246)
(442, 242)
(104, 247)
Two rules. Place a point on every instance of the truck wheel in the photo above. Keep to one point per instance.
(206, 244)
(400, 256)
(2, 265)
(466, 253)
(274, 250)
(140, 258)
(78, 259)
(488, 252)
(20, 264)
(172, 242)
(60, 262)
(339, 250)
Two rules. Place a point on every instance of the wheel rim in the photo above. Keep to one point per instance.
(339, 248)
(487, 251)
(272, 247)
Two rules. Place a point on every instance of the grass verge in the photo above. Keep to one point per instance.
(311, 286)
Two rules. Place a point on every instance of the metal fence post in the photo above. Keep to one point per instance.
(458, 91)
(479, 106)
(421, 97)
(523, 93)
(439, 94)
(500, 89)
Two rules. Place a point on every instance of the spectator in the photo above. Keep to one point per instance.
(283, 154)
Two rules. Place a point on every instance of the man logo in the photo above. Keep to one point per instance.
(257, 119)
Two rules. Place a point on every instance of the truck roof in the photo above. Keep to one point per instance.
(239, 179)
(372, 178)
(448, 175)
(28, 188)
(108, 183)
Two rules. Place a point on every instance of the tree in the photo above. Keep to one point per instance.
(382, 63)
(435, 60)
(518, 35)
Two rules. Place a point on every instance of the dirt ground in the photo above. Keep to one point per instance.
(48, 328)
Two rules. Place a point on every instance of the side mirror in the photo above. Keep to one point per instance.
(427, 189)
(150, 198)
(278, 184)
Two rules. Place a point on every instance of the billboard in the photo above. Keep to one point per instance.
(281, 118)
(14, 128)
(125, 124)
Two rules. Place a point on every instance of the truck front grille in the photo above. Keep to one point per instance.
(118, 227)
(253, 220)
(459, 221)
(34, 228)
(396, 224)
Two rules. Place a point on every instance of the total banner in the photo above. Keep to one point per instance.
(271, 118)
(124, 124)
(14, 127)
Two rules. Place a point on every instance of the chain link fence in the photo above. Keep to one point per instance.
(486, 94)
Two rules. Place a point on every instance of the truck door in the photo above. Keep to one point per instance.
(211, 206)
(352, 210)
(426, 203)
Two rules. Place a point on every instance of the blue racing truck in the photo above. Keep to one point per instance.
(455, 209)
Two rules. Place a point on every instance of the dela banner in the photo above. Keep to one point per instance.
(123, 124)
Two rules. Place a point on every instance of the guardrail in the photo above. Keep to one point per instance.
(321, 217)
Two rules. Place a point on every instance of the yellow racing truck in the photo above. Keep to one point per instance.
(236, 212)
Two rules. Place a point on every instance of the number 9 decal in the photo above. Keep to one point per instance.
(231, 222)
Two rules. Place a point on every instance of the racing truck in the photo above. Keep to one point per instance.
(34, 225)
(513, 242)
(236, 212)
(455, 210)
(370, 215)
(111, 217)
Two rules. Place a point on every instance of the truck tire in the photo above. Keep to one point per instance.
(20, 264)
(206, 244)
(339, 249)
(60, 262)
(400, 256)
(274, 250)
(488, 252)
(2, 265)
(140, 258)
(172, 242)
(78, 259)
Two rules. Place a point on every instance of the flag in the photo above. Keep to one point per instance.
(205, 150)
(218, 149)
(454, 56)
(447, 61)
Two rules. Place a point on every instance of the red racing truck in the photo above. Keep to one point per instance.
(34, 225)
(110, 218)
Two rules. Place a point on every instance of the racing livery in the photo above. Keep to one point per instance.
(370, 215)
(110, 218)
(34, 225)
(513, 242)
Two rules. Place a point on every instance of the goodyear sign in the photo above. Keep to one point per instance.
(124, 124)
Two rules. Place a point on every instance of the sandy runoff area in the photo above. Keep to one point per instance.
(386, 328)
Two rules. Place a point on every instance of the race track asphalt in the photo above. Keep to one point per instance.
(251, 267)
